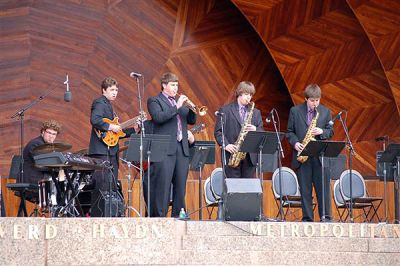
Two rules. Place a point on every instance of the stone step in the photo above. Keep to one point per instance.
(293, 229)
(285, 257)
(255, 243)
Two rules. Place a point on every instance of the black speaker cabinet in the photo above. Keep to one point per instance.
(242, 199)
(101, 206)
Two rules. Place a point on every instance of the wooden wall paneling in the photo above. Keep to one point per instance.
(381, 21)
(324, 43)
(207, 43)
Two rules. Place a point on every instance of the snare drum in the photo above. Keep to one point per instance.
(47, 194)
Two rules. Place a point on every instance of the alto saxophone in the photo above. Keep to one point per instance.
(238, 156)
(309, 137)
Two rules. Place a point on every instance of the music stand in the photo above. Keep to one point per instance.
(323, 149)
(261, 142)
(203, 153)
(391, 155)
(155, 148)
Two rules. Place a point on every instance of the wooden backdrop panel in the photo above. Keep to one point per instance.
(333, 45)
(350, 48)
(209, 44)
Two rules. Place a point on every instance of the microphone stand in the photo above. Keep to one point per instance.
(280, 156)
(351, 153)
(20, 115)
(142, 135)
(220, 215)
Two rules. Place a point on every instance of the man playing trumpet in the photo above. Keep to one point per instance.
(170, 116)
(234, 116)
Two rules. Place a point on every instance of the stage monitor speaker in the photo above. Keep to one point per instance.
(101, 206)
(242, 199)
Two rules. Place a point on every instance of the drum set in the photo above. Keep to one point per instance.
(63, 179)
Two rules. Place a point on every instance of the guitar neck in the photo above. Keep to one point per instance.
(129, 122)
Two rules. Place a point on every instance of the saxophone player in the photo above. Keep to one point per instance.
(234, 117)
(310, 120)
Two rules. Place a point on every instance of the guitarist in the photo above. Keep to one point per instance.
(102, 108)
(170, 117)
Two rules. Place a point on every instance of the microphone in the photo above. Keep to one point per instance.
(381, 138)
(135, 75)
(269, 116)
(67, 93)
(218, 113)
(336, 117)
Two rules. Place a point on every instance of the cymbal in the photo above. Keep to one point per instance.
(83, 152)
(50, 147)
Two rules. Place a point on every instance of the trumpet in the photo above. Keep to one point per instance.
(201, 111)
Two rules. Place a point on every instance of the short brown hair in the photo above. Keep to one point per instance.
(51, 124)
(245, 87)
(108, 82)
(168, 77)
(312, 91)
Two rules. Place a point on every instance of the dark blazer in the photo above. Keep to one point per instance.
(232, 126)
(297, 127)
(164, 122)
(102, 108)
(31, 173)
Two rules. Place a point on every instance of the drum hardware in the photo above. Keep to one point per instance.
(58, 197)
(129, 202)
(69, 207)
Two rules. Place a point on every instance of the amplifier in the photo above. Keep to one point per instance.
(101, 204)
(242, 200)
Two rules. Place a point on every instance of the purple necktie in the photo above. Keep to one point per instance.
(310, 116)
(179, 122)
(242, 113)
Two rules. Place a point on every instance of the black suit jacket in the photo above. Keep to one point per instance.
(232, 126)
(297, 127)
(31, 173)
(102, 108)
(164, 121)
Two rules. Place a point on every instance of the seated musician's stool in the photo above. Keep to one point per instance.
(22, 190)
(25, 191)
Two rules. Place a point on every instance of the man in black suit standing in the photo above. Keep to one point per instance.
(102, 108)
(309, 173)
(170, 116)
(233, 117)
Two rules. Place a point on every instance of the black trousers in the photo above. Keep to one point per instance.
(172, 170)
(244, 170)
(309, 174)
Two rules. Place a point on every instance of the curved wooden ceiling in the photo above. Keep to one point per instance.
(350, 48)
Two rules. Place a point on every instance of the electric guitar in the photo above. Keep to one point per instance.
(110, 138)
